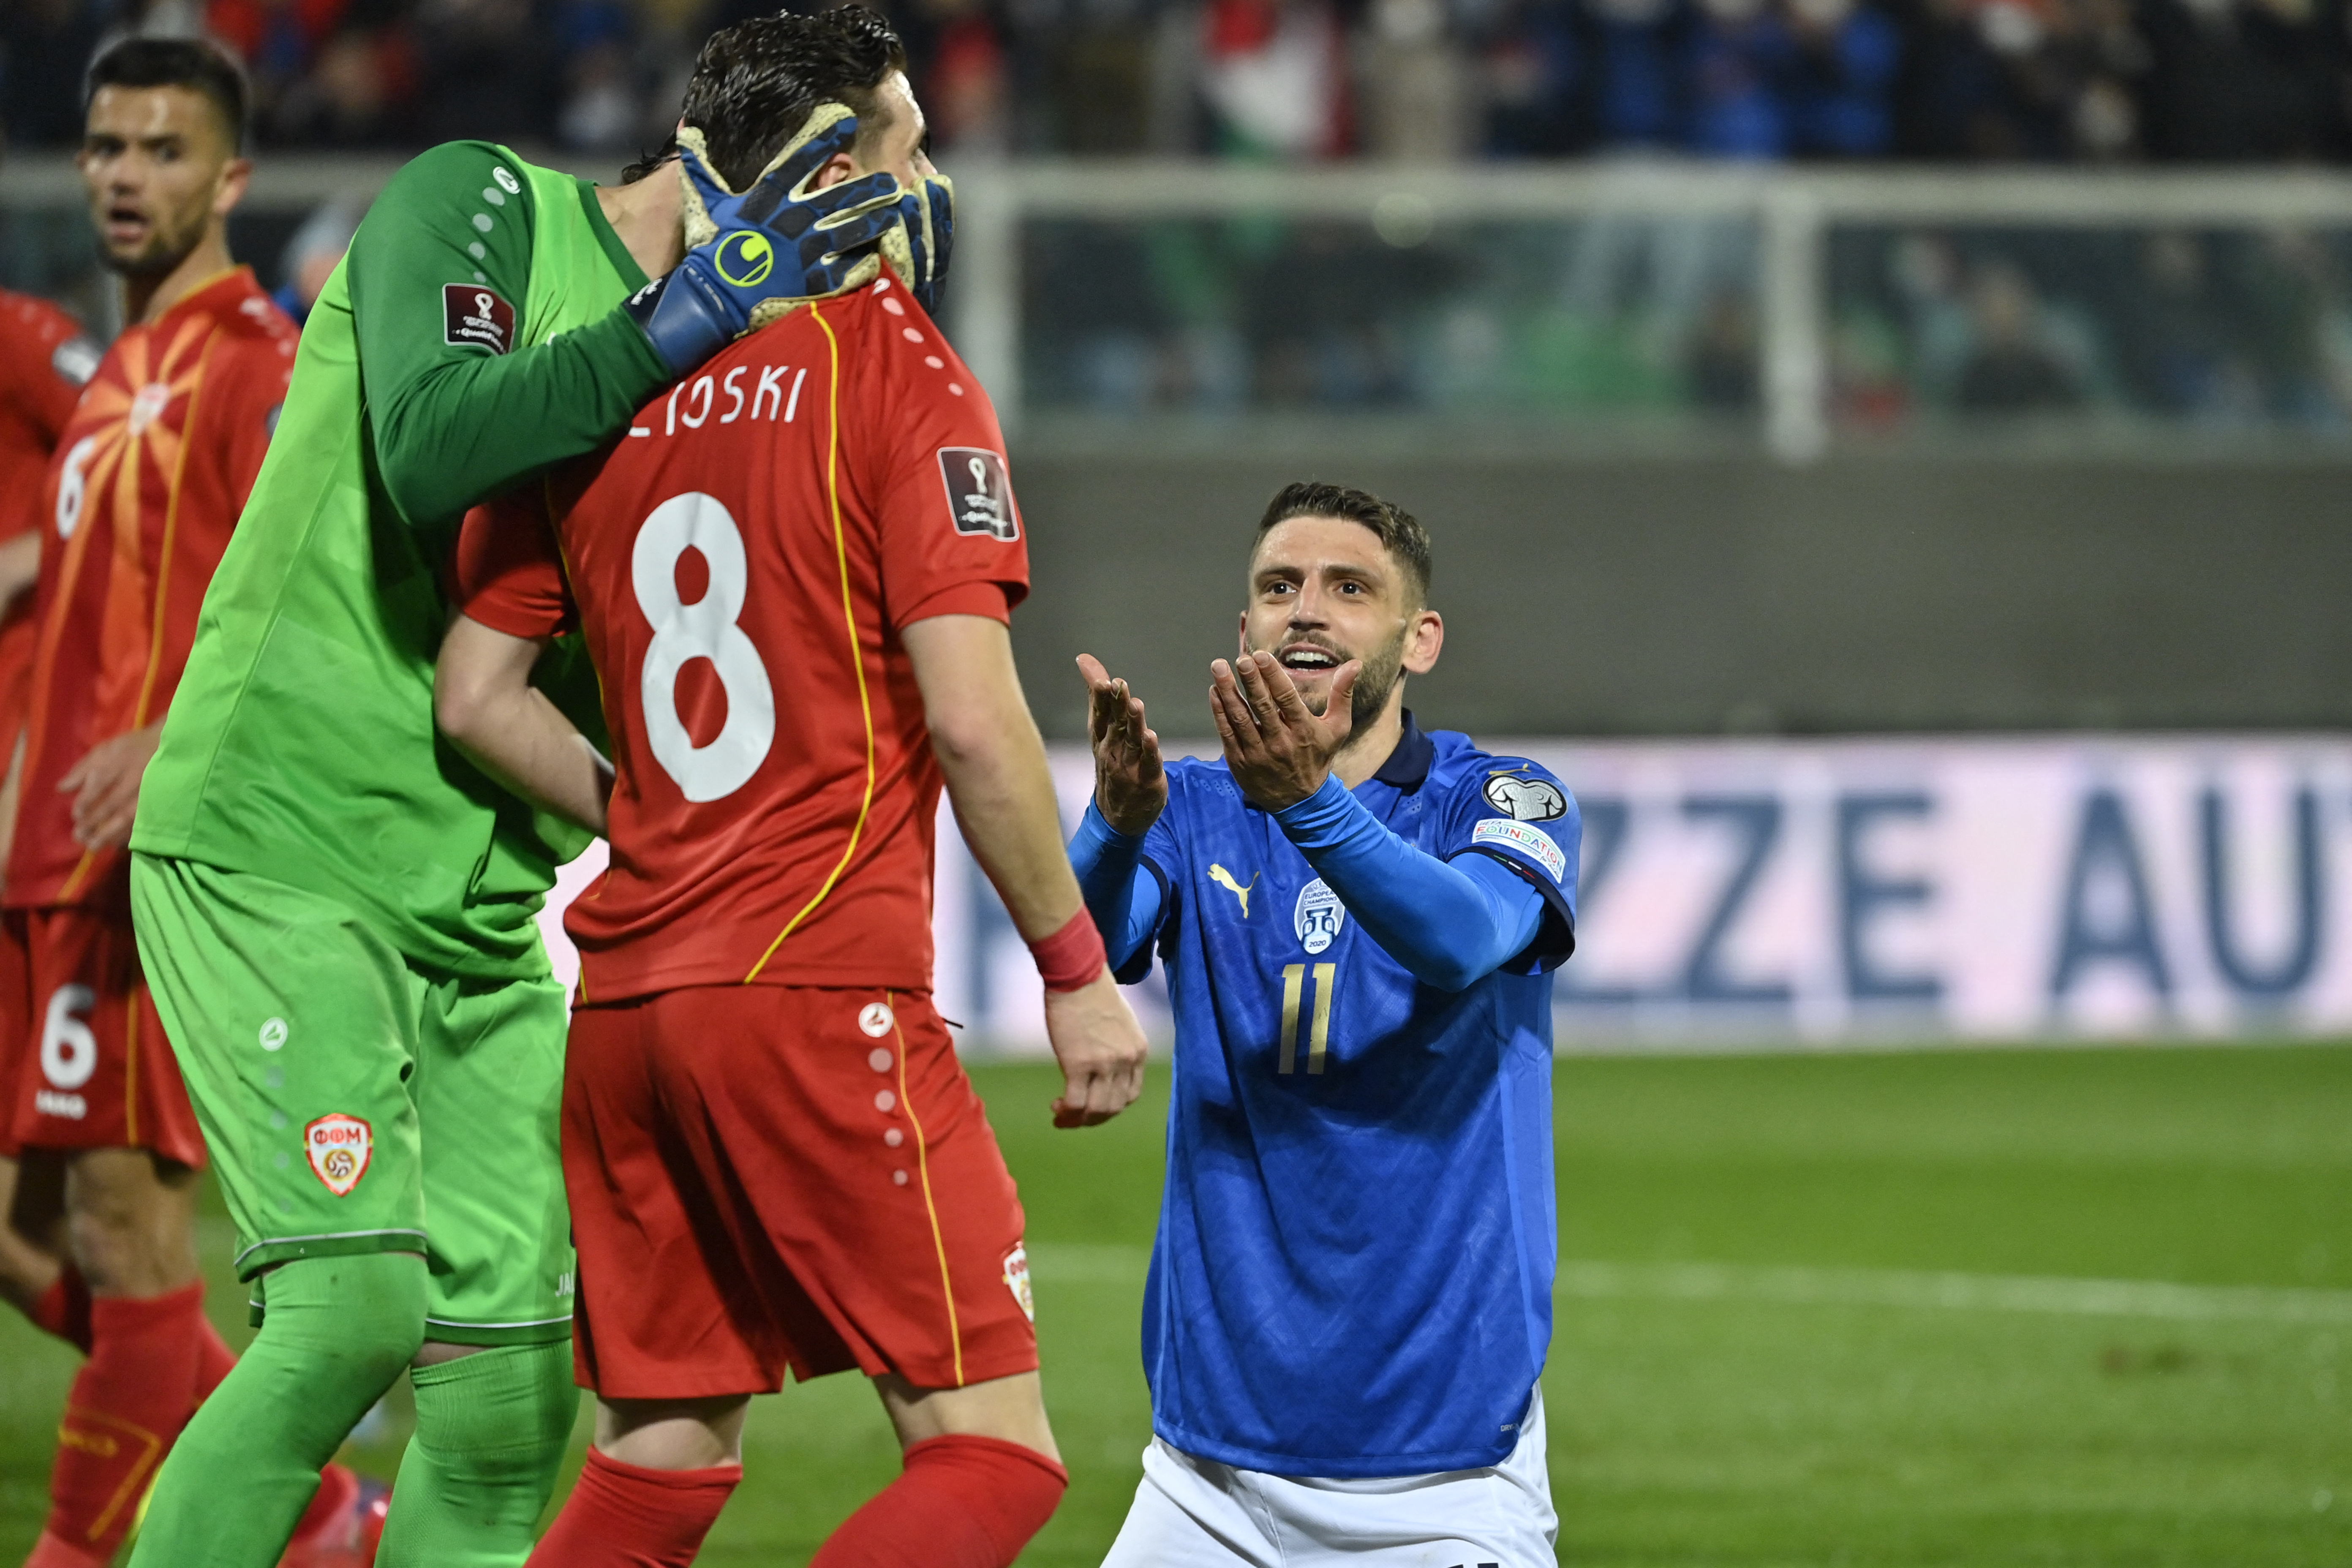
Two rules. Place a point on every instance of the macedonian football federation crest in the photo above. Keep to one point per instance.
(1016, 1280)
(1318, 916)
(339, 1147)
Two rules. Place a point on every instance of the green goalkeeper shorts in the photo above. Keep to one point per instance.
(352, 1101)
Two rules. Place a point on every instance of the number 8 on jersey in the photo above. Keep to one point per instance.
(706, 628)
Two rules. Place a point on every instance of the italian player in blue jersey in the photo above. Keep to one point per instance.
(1350, 1295)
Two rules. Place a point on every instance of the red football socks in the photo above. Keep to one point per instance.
(626, 1516)
(963, 1502)
(64, 1309)
(128, 1401)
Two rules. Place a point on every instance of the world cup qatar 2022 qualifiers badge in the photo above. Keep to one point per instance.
(339, 1147)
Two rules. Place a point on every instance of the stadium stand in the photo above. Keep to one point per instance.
(2036, 80)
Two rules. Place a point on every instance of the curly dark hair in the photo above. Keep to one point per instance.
(756, 83)
(1402, 533)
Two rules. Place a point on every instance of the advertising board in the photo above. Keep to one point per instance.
(1792, 893)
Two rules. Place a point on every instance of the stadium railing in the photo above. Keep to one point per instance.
(1626, 304)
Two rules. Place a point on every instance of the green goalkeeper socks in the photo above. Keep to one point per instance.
(490, 1434)
(339, 1330)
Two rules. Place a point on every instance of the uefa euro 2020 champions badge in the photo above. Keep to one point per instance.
(1318, 916)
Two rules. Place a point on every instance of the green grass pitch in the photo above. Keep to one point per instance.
(1887, 1360)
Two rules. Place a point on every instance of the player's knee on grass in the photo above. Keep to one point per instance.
(490, 1434)
(130, 1218)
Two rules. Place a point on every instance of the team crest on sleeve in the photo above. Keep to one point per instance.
(1318, 916)
(473, 317)
(1528, 840)
(1525, 799)
(979, 498)
(1016, 1280)
(339, 1147)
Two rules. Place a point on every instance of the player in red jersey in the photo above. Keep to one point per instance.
(794, 574)
(44, 360)
(139, 497)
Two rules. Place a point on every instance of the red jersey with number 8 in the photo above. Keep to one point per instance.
(741, 564)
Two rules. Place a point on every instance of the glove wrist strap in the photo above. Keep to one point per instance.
(684, 327)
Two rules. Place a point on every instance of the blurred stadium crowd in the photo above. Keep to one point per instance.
(2222, 330)
(2145, 328)
(1433, 79)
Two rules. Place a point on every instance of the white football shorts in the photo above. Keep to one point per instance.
(1192, 1512)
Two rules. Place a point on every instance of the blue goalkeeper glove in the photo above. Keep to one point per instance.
(755, 256)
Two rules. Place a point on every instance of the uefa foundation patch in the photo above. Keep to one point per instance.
(1527, 840)
(339, 1147)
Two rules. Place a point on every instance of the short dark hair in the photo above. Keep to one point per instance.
(1398, 530)
(197, 64)
(756, 83)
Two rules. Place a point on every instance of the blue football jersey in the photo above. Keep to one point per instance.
(1353, 1271)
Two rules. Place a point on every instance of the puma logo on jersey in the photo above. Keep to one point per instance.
(1224, 878)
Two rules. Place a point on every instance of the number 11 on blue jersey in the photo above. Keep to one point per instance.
(1294, 977)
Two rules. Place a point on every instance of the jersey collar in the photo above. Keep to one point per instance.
(1409, 765)
(214, 295)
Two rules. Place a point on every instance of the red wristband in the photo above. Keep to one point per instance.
(1073, 957)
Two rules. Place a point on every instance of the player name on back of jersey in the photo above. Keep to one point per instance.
(739, 563)
(732, 395)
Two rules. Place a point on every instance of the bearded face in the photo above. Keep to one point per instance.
(1312, 657)
(152, 158)
(1324, 591)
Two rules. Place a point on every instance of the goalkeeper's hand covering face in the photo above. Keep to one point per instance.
(756, 256)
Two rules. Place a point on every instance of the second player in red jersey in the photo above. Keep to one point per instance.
(794, 574)
(150, 476)
(44, 361)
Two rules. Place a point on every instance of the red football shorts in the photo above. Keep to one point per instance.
(764, 1176)
(91, 1068)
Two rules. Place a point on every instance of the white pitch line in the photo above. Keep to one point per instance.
(1952, 1292)
(1585, 1280)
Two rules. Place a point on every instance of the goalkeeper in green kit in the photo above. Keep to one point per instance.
(334, 910)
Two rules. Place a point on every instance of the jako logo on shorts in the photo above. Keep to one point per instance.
(339, 1147)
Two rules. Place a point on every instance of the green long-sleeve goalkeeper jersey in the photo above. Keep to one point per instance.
(472, 337)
